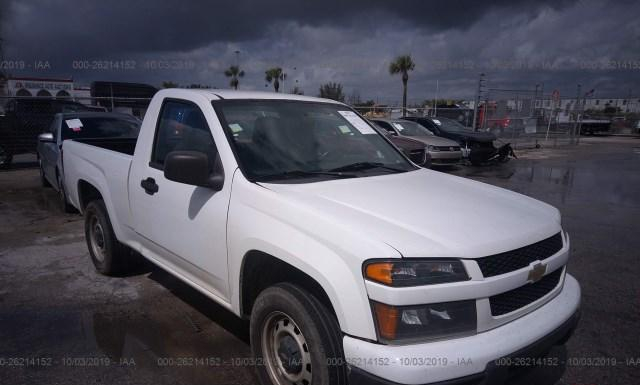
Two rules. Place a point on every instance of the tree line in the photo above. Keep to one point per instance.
(401, 65)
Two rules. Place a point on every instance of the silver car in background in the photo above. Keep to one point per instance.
(441, 151)
(77, 125)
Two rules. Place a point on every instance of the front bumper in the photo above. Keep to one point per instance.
(445, 157)
(468, 360)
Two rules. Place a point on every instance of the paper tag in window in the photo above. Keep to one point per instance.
(357, 122)
(344, 129)
(235, 128)
(74, 124)
(398, 126)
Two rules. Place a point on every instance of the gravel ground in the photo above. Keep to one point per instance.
(61, 323)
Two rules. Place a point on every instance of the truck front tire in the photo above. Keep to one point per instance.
(108, 255)
(295, 339)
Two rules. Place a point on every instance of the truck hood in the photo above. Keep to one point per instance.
(426, 213)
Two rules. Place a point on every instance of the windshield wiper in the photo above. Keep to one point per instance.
(365, 166)
(303, 173)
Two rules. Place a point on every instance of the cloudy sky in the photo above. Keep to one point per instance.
(518, 44)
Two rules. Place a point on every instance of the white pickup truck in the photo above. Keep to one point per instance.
(352, 264)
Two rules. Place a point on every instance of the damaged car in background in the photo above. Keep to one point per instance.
(477, 147)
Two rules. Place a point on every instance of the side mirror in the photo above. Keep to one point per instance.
(46, 137)
(192, 167)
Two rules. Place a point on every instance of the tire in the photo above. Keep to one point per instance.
(108, 255)
(43, 180)
(6, 157)
(62, 196)
(299, 323)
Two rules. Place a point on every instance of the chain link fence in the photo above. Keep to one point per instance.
(517, 122)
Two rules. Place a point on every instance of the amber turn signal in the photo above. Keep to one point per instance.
(387, 320)
(380, 272)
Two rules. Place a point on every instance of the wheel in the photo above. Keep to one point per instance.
(43, 180)
(62, 196)
(5, 157)
(295, 339)
(108, 255)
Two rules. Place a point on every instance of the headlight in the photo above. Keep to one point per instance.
(402, 273)
(406, 324)
(432, 148)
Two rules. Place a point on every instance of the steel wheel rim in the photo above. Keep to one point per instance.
(286, 353)
(96, 237)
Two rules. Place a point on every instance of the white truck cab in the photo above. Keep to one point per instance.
(353, 264)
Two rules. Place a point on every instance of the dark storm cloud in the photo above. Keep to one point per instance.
(517, 43)
(99, 27)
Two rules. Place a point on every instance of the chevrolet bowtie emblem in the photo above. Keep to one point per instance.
(537, 272)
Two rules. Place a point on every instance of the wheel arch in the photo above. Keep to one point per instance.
(260, 270)
(87, 193)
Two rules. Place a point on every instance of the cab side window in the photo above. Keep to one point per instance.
(181, 127)
(385, 125)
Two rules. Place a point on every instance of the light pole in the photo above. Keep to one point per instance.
(475, 109)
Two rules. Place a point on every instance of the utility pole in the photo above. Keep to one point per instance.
(3, 75)
(475, 107)
(435, 101)
(576, 110)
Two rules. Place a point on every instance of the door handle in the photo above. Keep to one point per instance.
(149, 185)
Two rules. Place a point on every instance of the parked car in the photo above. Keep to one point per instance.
(78, 125)
(25, 119)
(478, 147)
(441, 151)
(351, 263)
(413, 149)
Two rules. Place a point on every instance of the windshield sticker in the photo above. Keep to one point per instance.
(74, 124)
(344, 129)
(436, 121)
(357, 122)
(235, 128)
(398, 126)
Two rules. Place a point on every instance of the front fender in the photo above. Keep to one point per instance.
(322, 251)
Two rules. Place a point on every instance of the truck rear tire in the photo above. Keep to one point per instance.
(295, 339)
(6, 157)
(108, 255)
(43, 179)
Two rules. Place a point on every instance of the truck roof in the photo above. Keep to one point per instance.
(215, 94)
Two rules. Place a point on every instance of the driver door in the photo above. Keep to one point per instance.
(183, 225)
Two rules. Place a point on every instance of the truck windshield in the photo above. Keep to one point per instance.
(283, 140)
(99, 127)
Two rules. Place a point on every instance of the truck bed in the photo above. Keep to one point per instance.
(123, 145)
(103, 163)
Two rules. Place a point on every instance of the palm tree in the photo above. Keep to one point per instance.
(234, 72)
(275, 75)
(402, 65)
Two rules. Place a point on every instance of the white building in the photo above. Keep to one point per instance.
(60, 88)
(597, 104)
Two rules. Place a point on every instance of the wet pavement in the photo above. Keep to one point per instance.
(60, 322)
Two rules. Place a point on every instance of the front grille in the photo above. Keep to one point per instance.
(448, 148)
(417, 156)
(517, 259)
(517, 298)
